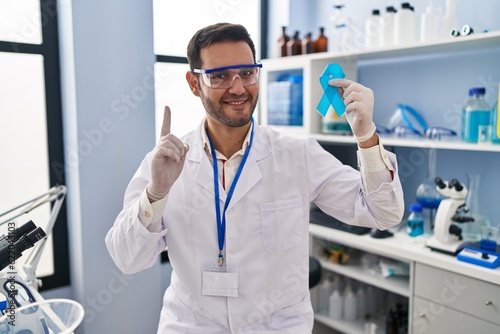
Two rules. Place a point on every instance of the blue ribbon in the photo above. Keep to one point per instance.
(331, 95)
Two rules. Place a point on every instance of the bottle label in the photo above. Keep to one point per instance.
(471, 122)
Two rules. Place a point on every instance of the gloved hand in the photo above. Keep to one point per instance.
(358, 101)
(168, 160)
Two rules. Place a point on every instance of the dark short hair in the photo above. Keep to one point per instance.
(216, 33)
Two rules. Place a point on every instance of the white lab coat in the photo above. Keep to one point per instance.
(266, 232)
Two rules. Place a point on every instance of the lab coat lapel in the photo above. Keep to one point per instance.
(203, 170)
(251, 173)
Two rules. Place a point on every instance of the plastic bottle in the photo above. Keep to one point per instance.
(362, 302)
(430, 23)
(282, 43)
(294, 45)
(405, 25)
(350, 304)
(495, 121)
(387, 37)
(336, 305)
(321, 42)
(476, 112)
(450, 19)
(325, 290)
(373, 30)
(307, 44)
(415, 223)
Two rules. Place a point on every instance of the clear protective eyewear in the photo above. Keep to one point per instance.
(223, 77)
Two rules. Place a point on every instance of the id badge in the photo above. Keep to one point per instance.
(220, 281)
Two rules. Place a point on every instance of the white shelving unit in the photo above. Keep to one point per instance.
(311, 67)
(400, 247)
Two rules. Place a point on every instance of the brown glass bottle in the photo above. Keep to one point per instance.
(294, 45)
(321, 43)
(282, 41)
(307, 44)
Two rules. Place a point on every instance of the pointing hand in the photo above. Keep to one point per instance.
(168, 160)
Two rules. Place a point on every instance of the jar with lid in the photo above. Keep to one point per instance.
(476, 112)
(415, 223)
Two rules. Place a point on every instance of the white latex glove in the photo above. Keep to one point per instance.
(168, 160)
(358, 101)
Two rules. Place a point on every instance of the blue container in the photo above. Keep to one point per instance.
(476, 112)
(285, 98)
(415, 223)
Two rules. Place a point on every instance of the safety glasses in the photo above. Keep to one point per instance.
(223, 77)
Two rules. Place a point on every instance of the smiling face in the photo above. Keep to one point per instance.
(234, 106)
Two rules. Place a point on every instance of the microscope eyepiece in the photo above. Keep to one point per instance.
(439, 182)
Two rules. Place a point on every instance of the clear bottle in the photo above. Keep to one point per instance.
(282, 43)
(405, 25)
(321, 43)
(415, 222)
(388, 27)
(373, 30)
(476, 112)
(362, 302)
(340, 34)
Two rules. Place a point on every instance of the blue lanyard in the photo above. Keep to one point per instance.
(221, 223)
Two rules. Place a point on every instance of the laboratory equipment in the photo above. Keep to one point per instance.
(489, 238)
(476, 212)
(415, 222)
(480, 257)
(336, 304)
(321, 42)
(405, 25)
(307, 44)
(430, 23)
(373, 30)
(294, 45)
(61, 316)
(387, 37)
(408, 117)
(340, 35)
(447, 236)
(17, 241)
(495, 120)
(450, 19)
(285, 101)
(54, 195)
(427, 195)
(476, 112)
(282, 43)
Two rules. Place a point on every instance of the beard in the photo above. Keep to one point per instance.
(236, 118)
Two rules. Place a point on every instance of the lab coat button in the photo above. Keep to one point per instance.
(147, 214)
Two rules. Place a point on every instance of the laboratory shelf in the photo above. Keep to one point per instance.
(356, 326)
(450, 45)
(419, 143)
(396, 284)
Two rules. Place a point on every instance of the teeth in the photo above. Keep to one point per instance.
(236, 103)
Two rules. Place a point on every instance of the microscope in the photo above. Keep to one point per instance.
(451, 211)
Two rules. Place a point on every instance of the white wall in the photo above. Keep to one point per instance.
(107, 59)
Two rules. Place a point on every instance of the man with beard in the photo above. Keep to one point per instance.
(230, 200)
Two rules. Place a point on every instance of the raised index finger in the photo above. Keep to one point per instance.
(165, 127)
